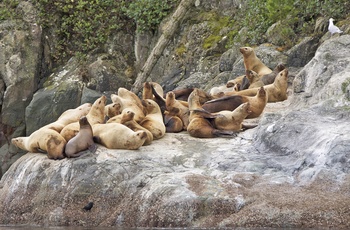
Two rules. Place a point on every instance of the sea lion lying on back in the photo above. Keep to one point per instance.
(277, 91)
(200, 125)
(257, 103)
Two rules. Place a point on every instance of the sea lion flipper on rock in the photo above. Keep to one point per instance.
(224, 133)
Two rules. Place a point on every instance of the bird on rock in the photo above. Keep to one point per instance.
(332, 28)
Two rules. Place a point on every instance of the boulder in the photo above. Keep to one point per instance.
(291, 170)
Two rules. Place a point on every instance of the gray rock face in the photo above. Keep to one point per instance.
(291, 171)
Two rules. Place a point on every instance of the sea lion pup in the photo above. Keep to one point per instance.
(182, 111)
(42, 140)
(199, 126)
(252, 62)
(232, 120)
(96, 115)
(254, 79)
(127, 118)
(76, 146)
(153, 120)
(69, 116)
(270, 78)
(257, 103)
(277, 91)
(118, 136)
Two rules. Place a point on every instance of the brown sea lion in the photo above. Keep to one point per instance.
(257, 103)
(153, 120)
(232, 120)
(252, 62)
(182, 94)
(42, 140)
(76, 146)
(173, 105)
(118, 136)
(277, 91)
(200, 125)
(270, 78)
(96, 115)
(173, 123)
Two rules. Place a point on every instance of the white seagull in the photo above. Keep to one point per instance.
(332, 28)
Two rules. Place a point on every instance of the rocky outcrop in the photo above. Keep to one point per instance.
(290, 171)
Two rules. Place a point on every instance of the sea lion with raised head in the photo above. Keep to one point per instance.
(252, 62)
(76, 146)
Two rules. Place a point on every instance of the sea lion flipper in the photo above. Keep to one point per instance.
(93, 148)
(224, 133)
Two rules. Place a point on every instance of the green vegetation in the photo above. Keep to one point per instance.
(148, 14)
(345, 85)
(7, 9)
(77, 27)
(81, 26)
(257, 16)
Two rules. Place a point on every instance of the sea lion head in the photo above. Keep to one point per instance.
(246, 51)
(262, 92)
(83, 121)
(280, 67)
(127, 115)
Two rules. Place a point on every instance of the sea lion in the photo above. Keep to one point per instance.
(42, 140)
(82, 141)
(147, 92)
(270, 78)
(257, 103)
(153, 120)
(118, 136)
(127, 118)
(129, 100)
(232, 120)
(252, 62)
(173, 105)
(69, 116)
(233, 82)
(199, 125)
(173, 123)
(254, 79)
(96, 115)
(182, 94)
(112, 110)
(277, 91)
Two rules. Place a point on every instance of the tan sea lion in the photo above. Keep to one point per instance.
(153, 120)
(200, 125)
(232, 120)
(118, 136)
(257, 103)
(130, 101)
(76, 146)
(112, 110)
(254, 79)
(270, 78)
(147, 92)
(42, 140)
(277, 91)
(173, 105)
(127, 118)
(252, 62)
(96, 115)
(69, 116)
